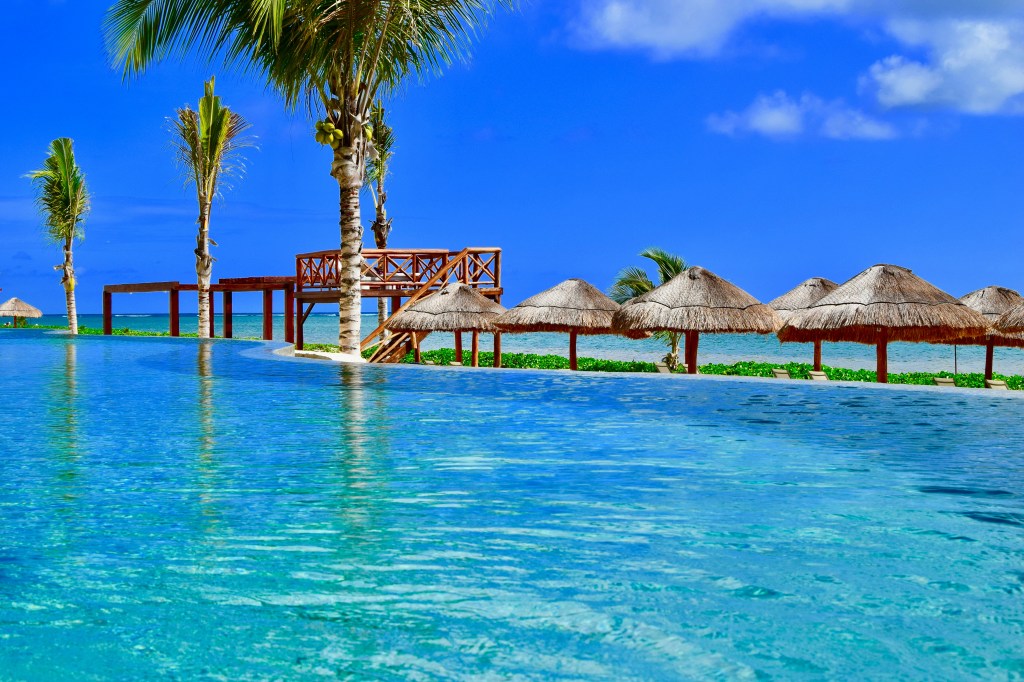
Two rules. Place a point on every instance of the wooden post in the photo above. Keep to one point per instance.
(882, 360)
(268, 314)
(228, 326)
(108, 313)
(396, 303)
(213, 327)
(298, 326)
(990, 348)
(692, 339)
(458, 347)
(497, 349)
(817, 355)
(476, 349)
(573, 365)
(175, 329)
(416, 348)
(289, 313)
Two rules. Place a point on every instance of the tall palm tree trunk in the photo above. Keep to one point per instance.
(381, 229)
(204, 268)
(348, 172)
(68, 281)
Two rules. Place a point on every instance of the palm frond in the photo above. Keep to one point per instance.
(61, 193)
(630, 283)
(669, 265)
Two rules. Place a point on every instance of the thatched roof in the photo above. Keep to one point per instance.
(697, 300)
(804, 295)
(572, 306)
(884, 301)
(18, 308)
(993, 302)
(454, 308)
(1012, 321)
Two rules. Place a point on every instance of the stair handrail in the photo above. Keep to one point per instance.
(442, 272)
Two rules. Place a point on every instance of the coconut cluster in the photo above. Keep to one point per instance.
(327, 134)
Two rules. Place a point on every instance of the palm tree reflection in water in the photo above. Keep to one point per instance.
(207, 463)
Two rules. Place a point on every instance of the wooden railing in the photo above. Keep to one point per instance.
(438, 279)
(401, 271)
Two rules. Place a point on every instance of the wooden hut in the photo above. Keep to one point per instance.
(696, 301)
(884, 303)
(574, 307)
(804, 295)
(454, 308)
(992, 302)
(19, 310)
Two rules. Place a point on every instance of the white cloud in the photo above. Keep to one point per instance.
(670, 28)
(779, 116)
(961, 55)
(975, 66)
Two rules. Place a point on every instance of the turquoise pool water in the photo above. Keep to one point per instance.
(171, 510)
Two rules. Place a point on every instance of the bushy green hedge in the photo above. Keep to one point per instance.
(446, 356)
(798, 370)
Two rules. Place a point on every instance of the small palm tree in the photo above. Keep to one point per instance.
(207, 144)
(634, 281)
(63, 201)
(378, 166)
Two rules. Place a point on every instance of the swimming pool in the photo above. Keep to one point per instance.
(170, 509)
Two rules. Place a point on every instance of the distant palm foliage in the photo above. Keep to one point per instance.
(63, 201)
(634, 281)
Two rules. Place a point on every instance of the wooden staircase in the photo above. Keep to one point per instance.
(396, 346)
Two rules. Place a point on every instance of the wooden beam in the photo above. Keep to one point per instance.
(458, 347)
(213, 328)
(573, 364)
(141, 288)
(497, 349)
(476, 349)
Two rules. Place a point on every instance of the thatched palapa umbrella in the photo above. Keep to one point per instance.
(804, 296)
(992, 302)
(19, 310)
(574, 307)
(1012, 321)
(454, 308)
(695, 301)
(882, 304)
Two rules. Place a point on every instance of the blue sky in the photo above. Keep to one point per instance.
(767, 140)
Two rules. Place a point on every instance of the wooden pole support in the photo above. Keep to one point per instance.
(882, 360)
(213, 327)
(573, 364)
(692, 340)
(175, 328)
(108, 313)
(476, 349)
(497, 350)
(458, 347)
(268, 315)
(289, 313)
(990, 348)
(817, 355)
(228, 324)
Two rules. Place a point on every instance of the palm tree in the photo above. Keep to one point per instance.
(63, 201)
(634, 281)
(382, 136)
(207, 144)
(337, 56)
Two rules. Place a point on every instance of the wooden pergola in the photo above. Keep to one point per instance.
(226, 287)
